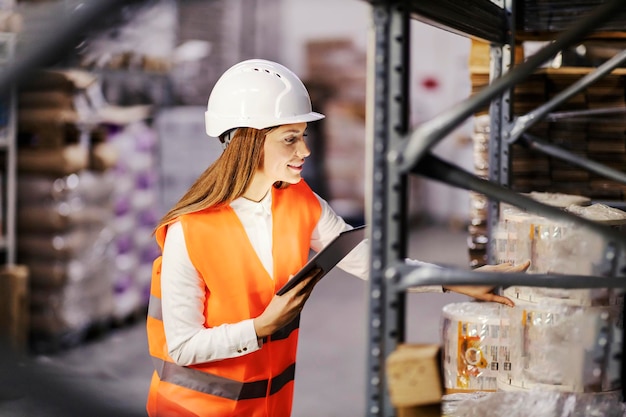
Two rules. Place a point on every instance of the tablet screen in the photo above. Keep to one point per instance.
(328, 257)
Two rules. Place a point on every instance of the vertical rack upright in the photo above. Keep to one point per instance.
(8, 147)
(393, 153)
(387, 126)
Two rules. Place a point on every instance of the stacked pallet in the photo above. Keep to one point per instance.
(64, 238)
(63, 210)
(600, 138)
(67, 186)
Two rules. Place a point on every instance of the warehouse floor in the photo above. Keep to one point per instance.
(110, 375)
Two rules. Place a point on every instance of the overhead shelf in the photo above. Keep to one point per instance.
(481, 19)
(550, 16)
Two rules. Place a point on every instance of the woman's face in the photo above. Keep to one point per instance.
(284, 153)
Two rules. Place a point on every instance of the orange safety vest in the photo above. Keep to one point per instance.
(259, 384)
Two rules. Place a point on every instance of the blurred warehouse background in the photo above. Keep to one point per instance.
(110, 133)
(100, 138)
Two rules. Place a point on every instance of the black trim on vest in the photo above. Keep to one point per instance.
(284, 332)
(279, 381)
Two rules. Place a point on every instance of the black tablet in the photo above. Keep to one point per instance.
(328, 257)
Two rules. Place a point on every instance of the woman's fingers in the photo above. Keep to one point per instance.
(505, 267)
(495, 298)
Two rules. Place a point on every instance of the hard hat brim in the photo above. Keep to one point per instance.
(217, 125)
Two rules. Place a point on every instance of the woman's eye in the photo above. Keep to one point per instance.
(292, 139)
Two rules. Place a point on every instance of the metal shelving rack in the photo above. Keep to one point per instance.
(8, 146)
(393, 153)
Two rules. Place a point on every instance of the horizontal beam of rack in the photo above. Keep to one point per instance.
(437, 169)
(409, 276)
(480, 19)
(537, 144)
(525, 122)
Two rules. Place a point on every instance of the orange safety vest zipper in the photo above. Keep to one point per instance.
(258, 384)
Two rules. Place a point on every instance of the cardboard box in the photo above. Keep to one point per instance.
(14, 306)
(414, 375)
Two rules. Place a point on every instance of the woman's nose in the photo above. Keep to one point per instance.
(302, 149)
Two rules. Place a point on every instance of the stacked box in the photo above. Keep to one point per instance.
(64, 237)
(14, 310)
(600, 138)
(68, 180)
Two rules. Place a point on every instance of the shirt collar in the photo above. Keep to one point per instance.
(244, 205)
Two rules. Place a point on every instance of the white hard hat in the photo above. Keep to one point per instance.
(257, 93)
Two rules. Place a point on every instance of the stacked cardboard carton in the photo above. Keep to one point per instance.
(66, 207)
(598, 137)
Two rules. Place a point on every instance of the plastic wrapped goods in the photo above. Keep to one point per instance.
(72, 307)
(558, 247)
(601, 213)
(65, 239)
(535, 403)
(89, 187)
(476, 348)
(559, 200)
(552, 246)
(56, 217)
(563, 348)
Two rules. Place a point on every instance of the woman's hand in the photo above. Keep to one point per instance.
(484, 293)
(283, 309)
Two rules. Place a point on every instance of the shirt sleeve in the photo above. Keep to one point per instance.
(183, 295)
(357, 261)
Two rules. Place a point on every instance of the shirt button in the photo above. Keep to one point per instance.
(244, 349)
(238, 350)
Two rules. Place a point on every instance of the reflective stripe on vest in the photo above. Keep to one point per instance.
(154, 308)
(193, 379)
(219, 386)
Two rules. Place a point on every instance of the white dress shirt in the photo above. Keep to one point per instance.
(183, 290)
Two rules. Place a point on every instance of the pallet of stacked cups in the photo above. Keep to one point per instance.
(564, 340)
(563, 357)
(475, 346)
(65, 239)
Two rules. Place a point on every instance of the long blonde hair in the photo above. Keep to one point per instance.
(227, 178)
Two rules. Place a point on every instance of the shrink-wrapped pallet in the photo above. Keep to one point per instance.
(563, 348)
(476, 346)
(510, 402)
(64, 237)
(558, 247)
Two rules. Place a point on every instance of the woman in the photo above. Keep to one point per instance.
(223, 342)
